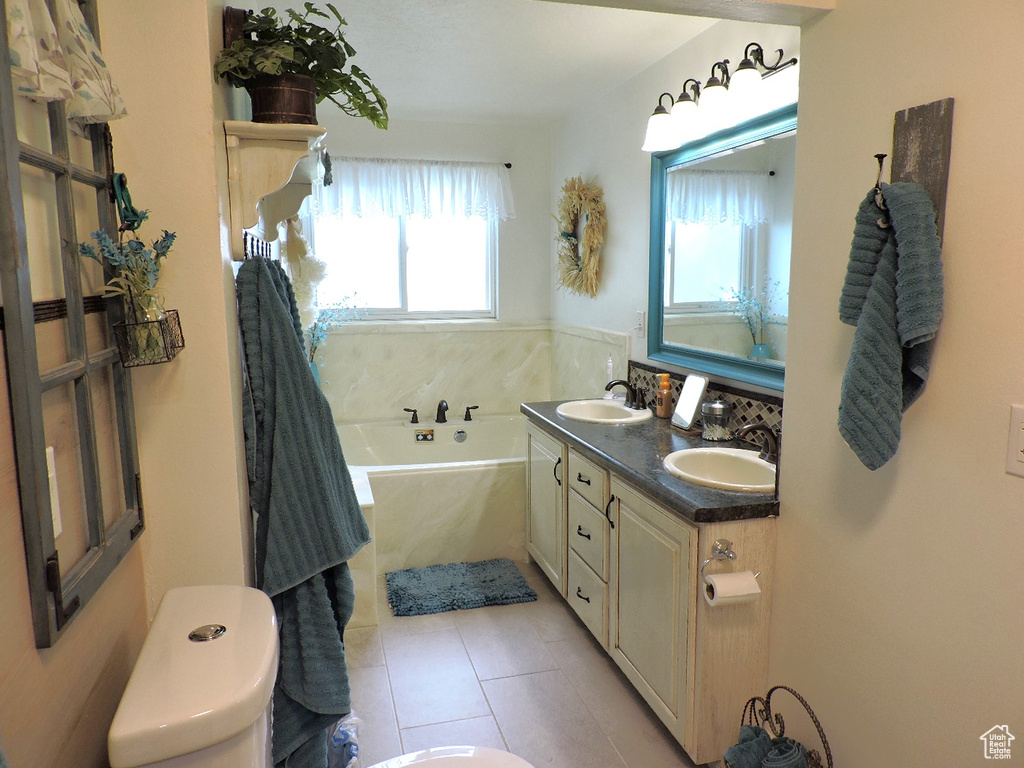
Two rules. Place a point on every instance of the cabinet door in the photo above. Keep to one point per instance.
(545, 495)
(652, 554)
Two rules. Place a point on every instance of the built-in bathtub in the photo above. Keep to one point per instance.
(453, 498)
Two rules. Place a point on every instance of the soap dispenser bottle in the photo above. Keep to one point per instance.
(663, 400)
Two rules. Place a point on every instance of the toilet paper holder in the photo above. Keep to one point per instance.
(720, 550)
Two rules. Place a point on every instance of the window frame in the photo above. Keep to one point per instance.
(751, 263)
(403, 313)
(55, 599)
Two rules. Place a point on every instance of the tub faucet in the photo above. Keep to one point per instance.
(442, 407)
(630, 392)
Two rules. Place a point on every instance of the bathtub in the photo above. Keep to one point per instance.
(456, 497)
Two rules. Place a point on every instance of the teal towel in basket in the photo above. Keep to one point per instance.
(750, 750)
(893, 294)
(308, 521)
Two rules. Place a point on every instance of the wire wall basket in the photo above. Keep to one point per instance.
(149, 342)
(758, 712)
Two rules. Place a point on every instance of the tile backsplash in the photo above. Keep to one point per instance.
(748, 407)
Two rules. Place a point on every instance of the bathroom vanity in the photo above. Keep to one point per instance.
(624, 541)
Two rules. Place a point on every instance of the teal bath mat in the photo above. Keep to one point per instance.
(456, 587)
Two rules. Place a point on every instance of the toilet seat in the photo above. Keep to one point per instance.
(457, 757)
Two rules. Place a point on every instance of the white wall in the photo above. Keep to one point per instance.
(193, 476)
(898, 609)
(603, 144)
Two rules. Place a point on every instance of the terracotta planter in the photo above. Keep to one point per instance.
(283, 99)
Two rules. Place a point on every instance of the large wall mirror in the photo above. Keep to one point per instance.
(721, 230)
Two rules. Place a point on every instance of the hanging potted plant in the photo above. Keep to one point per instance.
(288, 66)
(149, 334)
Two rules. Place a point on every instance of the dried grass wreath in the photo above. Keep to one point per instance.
(579, 263)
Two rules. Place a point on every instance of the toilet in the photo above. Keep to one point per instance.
(200, 693)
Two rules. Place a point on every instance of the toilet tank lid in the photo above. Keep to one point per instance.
(183, 694)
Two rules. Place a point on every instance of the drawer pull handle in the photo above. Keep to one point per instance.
(579, 532)
(608, 510)
(555, 472)
(581, 479)
(580, 595)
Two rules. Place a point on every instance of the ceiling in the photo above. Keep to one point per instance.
(518, 61)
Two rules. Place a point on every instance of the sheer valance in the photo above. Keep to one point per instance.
(57, 59)
(371, 187)
(715, 197)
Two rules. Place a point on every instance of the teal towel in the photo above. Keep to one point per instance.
(753, 746)
(893, 294)
(308, 523)
(785, 753)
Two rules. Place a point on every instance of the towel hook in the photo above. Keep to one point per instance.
(880, 157)
(879, 200)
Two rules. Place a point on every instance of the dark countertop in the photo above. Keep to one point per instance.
(634, 452)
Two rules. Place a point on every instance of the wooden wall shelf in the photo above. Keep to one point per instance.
(271, 170)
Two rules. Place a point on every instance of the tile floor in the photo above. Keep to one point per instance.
(528, 678)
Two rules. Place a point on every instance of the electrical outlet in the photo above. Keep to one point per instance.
(1015, 443)
(641, 323)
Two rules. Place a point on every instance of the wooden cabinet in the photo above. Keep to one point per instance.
(695, 665)
(587, 534)
(545, 501)
(653, 552)
(630, 569)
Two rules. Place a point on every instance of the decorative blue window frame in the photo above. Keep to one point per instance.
(767, 375)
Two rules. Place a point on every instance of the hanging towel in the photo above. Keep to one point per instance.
(308, 523)
(893, 294)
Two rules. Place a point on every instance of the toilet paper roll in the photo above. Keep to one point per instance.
(731, 588)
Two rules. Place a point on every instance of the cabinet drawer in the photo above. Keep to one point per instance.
(587, 479)
(588, 535)
(588, 596)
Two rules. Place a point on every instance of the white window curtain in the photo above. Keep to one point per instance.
(716, 197)
(373, 187)
(58, 59)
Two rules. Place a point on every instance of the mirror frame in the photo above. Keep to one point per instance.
(703, 361)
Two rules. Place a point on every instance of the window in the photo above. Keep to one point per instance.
(411, 239)
(694, 283)
(70, 399)
(408, 266)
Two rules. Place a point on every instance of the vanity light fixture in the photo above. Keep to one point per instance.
(661, 132)
(726, 96)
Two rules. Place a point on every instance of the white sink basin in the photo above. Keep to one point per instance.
(731, 469)
(602, 412)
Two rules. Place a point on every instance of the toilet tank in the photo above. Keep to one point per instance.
(204, 677)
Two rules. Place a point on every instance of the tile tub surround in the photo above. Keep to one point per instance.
(634, 452)
(579, 361)
(372, 370)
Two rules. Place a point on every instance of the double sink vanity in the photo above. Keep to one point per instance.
(622, 536)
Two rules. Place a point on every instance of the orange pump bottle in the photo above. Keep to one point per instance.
(663, 400)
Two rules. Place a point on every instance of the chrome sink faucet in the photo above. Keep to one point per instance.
(442, 407)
